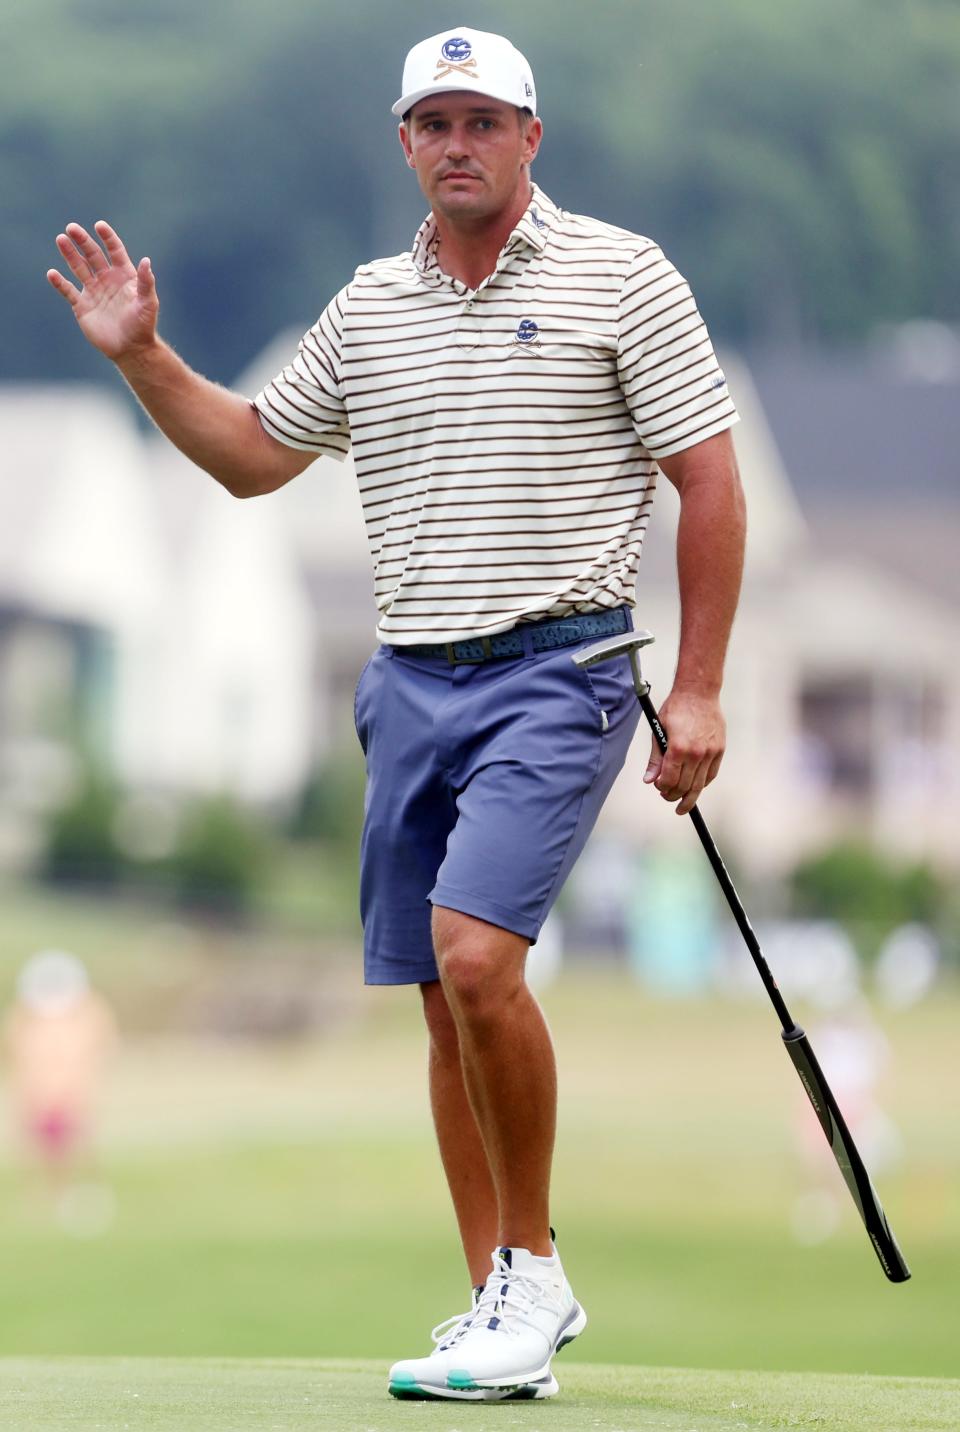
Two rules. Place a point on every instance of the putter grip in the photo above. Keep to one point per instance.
(846, 1154)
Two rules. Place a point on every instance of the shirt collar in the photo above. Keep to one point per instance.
(532, 229)
(535, 224)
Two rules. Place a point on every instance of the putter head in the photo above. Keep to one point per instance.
(626, 645)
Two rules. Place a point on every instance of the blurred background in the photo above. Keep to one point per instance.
(214, 1140)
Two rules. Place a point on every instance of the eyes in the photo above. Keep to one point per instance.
(482, 124)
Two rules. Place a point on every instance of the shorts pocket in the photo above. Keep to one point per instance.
(611, 686)
(361, 733)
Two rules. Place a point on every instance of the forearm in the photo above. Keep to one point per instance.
(216, 429)
(710, 547)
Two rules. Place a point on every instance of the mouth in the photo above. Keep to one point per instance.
(458, 174)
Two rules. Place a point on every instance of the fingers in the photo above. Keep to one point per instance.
(713, 769)
(676, 777)
(691, 781)
(63, 286)
(695, 789)
(696, 739)
(91, 250)
(112, 243)
(146, 283)
(84, 256)
(74, 259)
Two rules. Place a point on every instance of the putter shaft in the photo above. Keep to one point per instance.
(811, 1076)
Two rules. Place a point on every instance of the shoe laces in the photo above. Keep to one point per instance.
(451, 1330)
(508, 1300)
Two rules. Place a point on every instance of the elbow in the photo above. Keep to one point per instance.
(242, 484)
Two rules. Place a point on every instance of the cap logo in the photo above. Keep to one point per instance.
(455, 57)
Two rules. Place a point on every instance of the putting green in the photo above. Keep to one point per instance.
(224, 1395)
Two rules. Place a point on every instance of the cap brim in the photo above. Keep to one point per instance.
(407, 101)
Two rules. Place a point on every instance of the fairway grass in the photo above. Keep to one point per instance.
(225, 1395)
(267, 1198)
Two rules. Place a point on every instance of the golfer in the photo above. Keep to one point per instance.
(511, 388)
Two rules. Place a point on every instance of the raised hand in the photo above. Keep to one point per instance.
(116, 304)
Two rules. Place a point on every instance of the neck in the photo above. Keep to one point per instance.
(470, 247)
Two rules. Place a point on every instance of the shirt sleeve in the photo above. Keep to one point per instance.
(303, 405)
(674, 387)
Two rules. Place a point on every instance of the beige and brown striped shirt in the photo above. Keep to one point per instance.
(505, 438)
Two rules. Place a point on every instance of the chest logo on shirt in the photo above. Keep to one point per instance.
(528, 331)
(455, 55)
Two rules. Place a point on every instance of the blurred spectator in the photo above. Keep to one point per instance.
(59, 1034)
(673, 940)
(853, 1052)
(907, 965)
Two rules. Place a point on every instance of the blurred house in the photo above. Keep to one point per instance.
(147, 619)
(842, 693)
(201, 643)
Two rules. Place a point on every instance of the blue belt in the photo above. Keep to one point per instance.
(544, 636)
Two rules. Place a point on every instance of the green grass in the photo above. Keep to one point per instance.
(285, 1200)
(203, 1395)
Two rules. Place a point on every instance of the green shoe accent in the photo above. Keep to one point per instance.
(461, 1382)
(404, 1385)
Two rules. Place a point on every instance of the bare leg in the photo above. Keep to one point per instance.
(508, 1067)
(461, 1148)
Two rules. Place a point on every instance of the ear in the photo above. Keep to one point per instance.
(405, 145)
(533, 138)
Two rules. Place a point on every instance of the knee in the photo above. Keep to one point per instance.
(480, 965)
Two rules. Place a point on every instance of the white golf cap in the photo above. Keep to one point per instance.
(463, 59)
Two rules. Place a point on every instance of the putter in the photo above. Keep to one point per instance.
(798, 1046)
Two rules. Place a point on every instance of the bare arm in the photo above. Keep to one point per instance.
(710, 545)
(116, 308)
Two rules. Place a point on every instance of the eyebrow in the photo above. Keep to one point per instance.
(441, 113)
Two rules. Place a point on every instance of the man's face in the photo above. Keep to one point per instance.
(469, 152)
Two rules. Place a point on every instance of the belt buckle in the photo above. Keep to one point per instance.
(455, 660)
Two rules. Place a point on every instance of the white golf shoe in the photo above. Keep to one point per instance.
(501, 1350)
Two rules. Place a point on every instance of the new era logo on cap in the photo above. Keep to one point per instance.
(467, 59)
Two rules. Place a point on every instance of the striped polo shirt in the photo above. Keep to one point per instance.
(505, 438)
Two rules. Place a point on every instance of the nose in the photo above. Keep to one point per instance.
(457, 146)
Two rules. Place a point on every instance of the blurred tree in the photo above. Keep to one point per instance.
(81, 846)
(869, 894)
(800, 163)
(330, 807)
(221, 857)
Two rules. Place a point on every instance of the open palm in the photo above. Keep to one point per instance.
(116, 304)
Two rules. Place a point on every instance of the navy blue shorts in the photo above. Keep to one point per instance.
(483, 783)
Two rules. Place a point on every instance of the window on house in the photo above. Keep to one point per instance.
(857, 729)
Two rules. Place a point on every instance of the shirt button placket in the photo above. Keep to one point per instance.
(468, 329)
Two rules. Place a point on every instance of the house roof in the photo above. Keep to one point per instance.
(861, 426)
(871, 444)
(76, 537)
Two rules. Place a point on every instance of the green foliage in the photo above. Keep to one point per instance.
(800, 163)
(330, 808)
(218, 862)
(868, 893)
(220, 858)
(81, 846)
